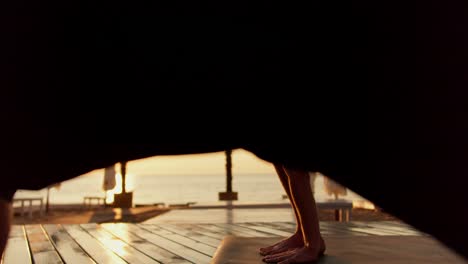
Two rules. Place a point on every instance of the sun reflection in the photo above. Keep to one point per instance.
(129, 185)
(119, 247)
(122, 231)
(125, 231)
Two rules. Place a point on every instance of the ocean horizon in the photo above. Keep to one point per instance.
(183, 188)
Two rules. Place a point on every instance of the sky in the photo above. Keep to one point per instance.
(243, 162)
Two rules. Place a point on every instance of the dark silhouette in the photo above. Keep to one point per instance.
(363, 92)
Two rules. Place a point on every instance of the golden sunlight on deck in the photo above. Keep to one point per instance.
(368, 242)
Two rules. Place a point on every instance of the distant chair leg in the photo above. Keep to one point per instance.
(40, 209)
(30, 209)
(22, 208)
(337, 215)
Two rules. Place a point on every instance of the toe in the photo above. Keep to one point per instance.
(280, 251)
(278, 257)
(265, 250)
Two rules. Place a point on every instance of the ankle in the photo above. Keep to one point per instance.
(318, 248)
(298, 237)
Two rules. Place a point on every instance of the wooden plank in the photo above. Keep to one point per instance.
(188, 242)
(17, 248)
(47, 257)
(96, 250)
(356, 227)
(402, 231)
(373, 228)
(288, 224)
(66, 246)
(150, 249)
(291, 227)
(42, 249)
(191, 234)
(404, 226)
(396, 223)
(279, 226)
(326, 228)
(225, 231)
(204, 232)
(253, 233)
(178, 249)
(266, 229)
(399, 224)
(233, 229)
(119, 247)
(339, 229)
(333, 228)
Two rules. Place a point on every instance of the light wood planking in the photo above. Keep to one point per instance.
(176, 248)
(338, 229)
(397, 223)
(123, 243)
(96, 250)
(188, 242)
(287, 224)
(402, 230)
(119, 247)
(205, 232)
(42, 249)
(385, 229)
(191, 234)
(278, 226)
(66, 246)
(225, 230)
(250, 232)
(266, 229)
(367, 230)
(47, 257)
(17, 249)
(150, 249)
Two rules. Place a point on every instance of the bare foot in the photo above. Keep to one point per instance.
(297, 255)
(294, 241)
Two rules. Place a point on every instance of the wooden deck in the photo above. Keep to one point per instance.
(158, 243)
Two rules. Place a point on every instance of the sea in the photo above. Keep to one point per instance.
(201, 189)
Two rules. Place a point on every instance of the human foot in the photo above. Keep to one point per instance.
(297, 255)
(294, 241)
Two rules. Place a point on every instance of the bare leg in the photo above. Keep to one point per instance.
(296, 240)
(5, 222)
(304, 202)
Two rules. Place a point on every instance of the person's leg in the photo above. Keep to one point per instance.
(296, 240)
(5, 222)
(303, 199)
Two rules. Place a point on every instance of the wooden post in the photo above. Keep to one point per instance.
(229, 195)
(229, 170)
(124, 199)
(47, 201)
(123, 171)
